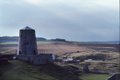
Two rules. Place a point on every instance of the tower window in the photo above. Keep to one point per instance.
(20, 52)
(34, 52)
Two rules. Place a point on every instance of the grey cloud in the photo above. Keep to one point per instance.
(72, 22)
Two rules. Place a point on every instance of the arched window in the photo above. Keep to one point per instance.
(34, 52)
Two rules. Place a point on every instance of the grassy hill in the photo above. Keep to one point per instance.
(17, 70)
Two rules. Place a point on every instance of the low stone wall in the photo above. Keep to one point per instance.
(37, 59)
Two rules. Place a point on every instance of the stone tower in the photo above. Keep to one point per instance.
(27, 48)
(27, 42)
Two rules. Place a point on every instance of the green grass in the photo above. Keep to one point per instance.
(94, 76)
(17, 70)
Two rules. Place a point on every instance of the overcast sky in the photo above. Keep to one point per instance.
(76, 20)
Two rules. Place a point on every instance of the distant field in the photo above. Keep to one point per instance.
(7, 43)
(64, 49)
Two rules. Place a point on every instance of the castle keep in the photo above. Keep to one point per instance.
(27, 48)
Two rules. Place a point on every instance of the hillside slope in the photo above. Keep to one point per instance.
(17, 70)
